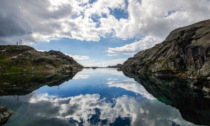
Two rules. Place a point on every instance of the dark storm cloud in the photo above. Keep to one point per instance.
(10, 26)
(11, 23)
(22, 18)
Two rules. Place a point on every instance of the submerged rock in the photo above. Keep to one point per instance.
(4, 114)
(185, 52)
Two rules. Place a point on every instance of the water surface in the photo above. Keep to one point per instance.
(92, 97)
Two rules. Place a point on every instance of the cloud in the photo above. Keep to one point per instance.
(158, 18)
(38, 21)
(111, 71)
(86, 61)
(133, 48)
(35, 21)
(80, 76)
(103, 63)
(79, 57)
(90, 109)
(129, 85)
(32, 21)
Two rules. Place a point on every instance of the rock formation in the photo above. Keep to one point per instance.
(26, 59)
(185, 52)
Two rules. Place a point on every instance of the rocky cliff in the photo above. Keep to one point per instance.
(15, 59)
(185, 52)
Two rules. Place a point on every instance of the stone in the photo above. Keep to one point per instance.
(185, 52)
(4, 114)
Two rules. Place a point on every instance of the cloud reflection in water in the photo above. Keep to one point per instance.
(105, 97)
(130, 85)
(92, 110)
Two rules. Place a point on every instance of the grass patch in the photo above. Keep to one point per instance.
(2, 58)
(13, 70)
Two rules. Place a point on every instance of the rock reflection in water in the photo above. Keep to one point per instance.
(188, 96)
(22, 84)
(92, 97)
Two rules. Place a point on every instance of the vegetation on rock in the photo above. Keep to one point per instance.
(26, 59)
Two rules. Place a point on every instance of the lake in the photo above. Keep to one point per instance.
(93, 97)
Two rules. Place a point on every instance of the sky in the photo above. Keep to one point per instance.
(96, 32)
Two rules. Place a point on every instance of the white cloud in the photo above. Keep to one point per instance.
(82, 107)
(151, 17)
(103, 63)
(80, 76)
(99, 71)
(79, 57)
(130, 85)
(133, 48)
(111, 71)
(51, 19)
(86, 61)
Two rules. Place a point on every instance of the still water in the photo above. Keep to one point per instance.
(92, 97)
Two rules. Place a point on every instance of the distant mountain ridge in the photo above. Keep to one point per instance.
(185, 52)
(14, 58)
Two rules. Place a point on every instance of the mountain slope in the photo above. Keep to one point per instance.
(186, 51)
(26, 59)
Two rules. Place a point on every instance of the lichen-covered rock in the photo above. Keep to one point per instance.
(4, 114)
(186, 51)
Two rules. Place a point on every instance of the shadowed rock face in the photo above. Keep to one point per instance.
(186, 51)
(15, 59)
(188, 96)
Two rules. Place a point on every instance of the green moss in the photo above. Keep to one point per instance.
(149, 72)
(2, 58)
(16, 69)
(10, 69)
(164, 100)
(166, 83)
